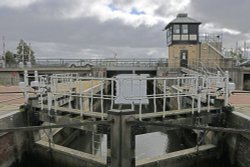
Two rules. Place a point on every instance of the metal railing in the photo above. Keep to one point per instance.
(56, 63)
(59, 91)
(214, 40)
(212, 65)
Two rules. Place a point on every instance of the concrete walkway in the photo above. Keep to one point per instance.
(241, 102)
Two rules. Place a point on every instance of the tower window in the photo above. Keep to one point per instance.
(169, 35)
(176, 29)
(193, 29)
(184, 29)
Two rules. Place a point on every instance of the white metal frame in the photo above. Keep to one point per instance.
(198, 88)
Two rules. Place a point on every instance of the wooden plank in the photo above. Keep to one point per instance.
(173, 112)
(145, 115)
(75, 111)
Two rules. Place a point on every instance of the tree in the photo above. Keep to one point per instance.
(9, 58)
(25, 53)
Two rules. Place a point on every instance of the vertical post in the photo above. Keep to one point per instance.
(155, 107)
(102, 108)
(41, 90)
(70, 86)
(112, 95)
(81, 99)
(140, 110)
(55, 95)
(192, 104)
(70, 100)
(26, 88)
(93, 142)
(199, 103)
(178, 94)
(36, 76)
(208, 95)
(122, 140)
(196, 94)
(49, 103)
(91, 96)
(164, 98)
(218, 76)
(226, 88)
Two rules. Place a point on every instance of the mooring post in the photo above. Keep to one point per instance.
(121, 141)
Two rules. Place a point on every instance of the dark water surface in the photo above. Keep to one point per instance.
(147, 145)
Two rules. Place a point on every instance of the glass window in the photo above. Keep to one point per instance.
(176, 29)
(184, 37)
(193, 29)
(193, 37)
(176, 37)
(184, 29)
(169, 35)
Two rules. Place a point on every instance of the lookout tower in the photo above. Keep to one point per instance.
(182, 36)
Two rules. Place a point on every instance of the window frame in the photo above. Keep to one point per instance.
(182, 29)
(174, 29)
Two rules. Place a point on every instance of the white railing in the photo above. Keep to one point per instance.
(61, 90)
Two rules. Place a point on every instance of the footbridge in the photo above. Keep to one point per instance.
(12, 73)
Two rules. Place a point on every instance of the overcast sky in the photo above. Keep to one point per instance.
(103, 28)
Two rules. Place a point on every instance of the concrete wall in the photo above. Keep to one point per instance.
(63, 156)
(183, 158)
(236, 74)
(203, 52)
(174, 54)
(238, 146)
(12, 145)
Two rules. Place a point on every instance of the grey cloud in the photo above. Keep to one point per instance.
(74, 35)
(52, 35)
(225, 13)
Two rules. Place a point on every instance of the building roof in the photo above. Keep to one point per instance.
(183, 18)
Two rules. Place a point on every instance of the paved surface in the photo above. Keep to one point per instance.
(10, 99)
(241, 102)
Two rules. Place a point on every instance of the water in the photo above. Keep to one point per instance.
(155, 144)
(151, 144)
(147, 145)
